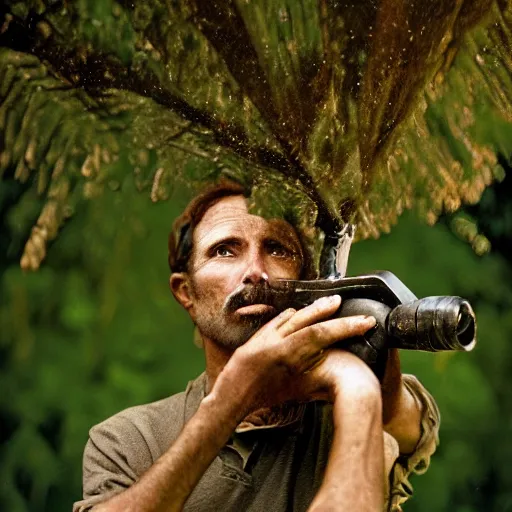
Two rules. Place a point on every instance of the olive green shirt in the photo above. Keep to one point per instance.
(264, 468)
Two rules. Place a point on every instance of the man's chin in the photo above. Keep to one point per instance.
(237, 333)
(250, 325)
(232, 329)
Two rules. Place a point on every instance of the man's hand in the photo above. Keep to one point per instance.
(275, 366)
(272, 366)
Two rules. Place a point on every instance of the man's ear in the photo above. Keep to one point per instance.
(180, 288)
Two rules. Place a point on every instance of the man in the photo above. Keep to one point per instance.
(280, 420)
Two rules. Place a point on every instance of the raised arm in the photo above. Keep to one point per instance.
(168, 483)
(354, 477)
(268, 369)
(362, 474)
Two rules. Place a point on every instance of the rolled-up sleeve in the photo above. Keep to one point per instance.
(418, 461)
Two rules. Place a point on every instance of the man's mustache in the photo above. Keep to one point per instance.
(246, 295)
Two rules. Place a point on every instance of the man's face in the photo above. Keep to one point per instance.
(235, 255)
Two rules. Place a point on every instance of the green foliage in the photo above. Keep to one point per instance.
(94, 331)
(357, 117)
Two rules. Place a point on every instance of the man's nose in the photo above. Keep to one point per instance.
(255, 272)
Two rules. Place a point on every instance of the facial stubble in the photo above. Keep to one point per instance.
(220, 323)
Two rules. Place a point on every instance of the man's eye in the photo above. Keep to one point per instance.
(279, 251)
(223, 251)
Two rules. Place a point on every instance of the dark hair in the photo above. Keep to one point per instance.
(181, 236)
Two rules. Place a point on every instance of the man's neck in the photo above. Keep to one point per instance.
(216, 358)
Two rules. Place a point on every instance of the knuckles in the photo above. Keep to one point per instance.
(270, 357)
(320, 331)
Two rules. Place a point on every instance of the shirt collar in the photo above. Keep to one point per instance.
(286, 414)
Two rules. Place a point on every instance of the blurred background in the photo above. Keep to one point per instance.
(96, 330)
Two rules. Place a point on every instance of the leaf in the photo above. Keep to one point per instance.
(357, 111)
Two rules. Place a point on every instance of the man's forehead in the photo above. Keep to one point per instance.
(231, 213)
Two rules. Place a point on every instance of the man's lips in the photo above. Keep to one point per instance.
(255, 309)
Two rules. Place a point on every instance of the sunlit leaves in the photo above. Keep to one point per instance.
(358, 106)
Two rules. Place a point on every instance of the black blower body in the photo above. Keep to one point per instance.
(430, 324)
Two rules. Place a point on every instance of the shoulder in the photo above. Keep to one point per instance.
(124, 446)
(121, 448)
(163, 411)
(152, 426)
(147, 430)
